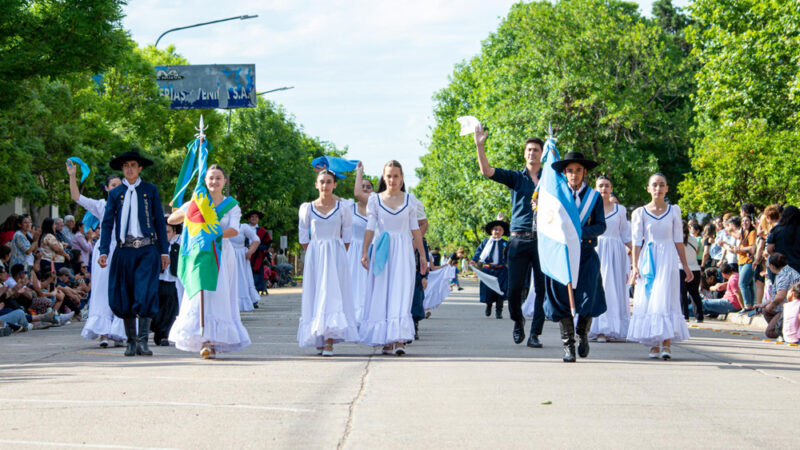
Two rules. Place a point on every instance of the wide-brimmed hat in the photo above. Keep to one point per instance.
(254, 211)
(117, 162)
(574, 157)
(489, 226)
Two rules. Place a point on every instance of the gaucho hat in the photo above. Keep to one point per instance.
(132, 155)
(489, 226)
(574, 157)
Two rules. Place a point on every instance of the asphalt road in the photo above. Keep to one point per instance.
(463, 385)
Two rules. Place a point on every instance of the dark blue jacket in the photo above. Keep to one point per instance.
(151, 217)
(595, 225)
(503, 244)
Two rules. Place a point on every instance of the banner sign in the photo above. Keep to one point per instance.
(208, 86)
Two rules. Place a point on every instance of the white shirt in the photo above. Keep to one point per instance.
(577, 194)
(133, 218)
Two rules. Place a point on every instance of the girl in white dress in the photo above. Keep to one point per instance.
(223, 331)
(247, 293)
(328, 312)
(392, 220)
(614, 268)
(102, 323)
(658, 248)
(361, 190)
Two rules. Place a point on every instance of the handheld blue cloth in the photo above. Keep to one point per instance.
(90, 222)
(335, 164)
(84, 168)
(648, 271)
(381, 253)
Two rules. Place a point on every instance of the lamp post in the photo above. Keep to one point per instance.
(245, 17)
(284, 88)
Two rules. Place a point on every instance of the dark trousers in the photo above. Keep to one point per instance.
(523, 255)
(167, 310)
(774, 324)
(417, 303)
(258, 280)
(692, 289)
(133, 282)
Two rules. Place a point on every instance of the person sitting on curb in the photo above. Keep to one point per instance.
(785, 278)
(732, 300)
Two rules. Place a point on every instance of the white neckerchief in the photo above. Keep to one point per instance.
(130, 208)
(492, 248)
(576, 195)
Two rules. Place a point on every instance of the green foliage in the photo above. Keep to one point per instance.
(747, 104)
(614, 85)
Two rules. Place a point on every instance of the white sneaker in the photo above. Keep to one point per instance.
(327, 352)
(104, 343)
(602, 339)
(28, 327)
(63, 319)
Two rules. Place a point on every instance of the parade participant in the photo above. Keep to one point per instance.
(657, 235)
(418, 312)
(257, 259)
(102, 324)
(135, 220)
(361, 190)
(522, 245)
(168, 304)
(209, 321)
(328, 309)
(245, 244)
(392, 216)
(490, 257)
(614, 268)
(588, 291)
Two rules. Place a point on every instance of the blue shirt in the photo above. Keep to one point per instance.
(522, 187)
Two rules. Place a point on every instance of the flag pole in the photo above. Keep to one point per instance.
(203, 312)
(571, 299)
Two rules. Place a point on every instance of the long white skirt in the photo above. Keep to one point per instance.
(248, 295)
(223, 327)
(358, 275)
(438, 286)
(387, 307)
(101, 321)
(614, 268)
(328, 310)
(659, 317)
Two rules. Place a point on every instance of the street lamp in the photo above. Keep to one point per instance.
(245, 17)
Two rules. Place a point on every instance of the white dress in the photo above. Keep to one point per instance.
(357, 272)
(614, 269)
(387, 306)
(328, 310)
(247, 294)
(438, 286)
(223, 327)
(101, 321)
(657, 316)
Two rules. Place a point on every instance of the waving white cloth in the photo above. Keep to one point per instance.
(468, 124)
(129, 221)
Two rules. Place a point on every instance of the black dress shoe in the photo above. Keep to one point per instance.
(519, 331)
(488, 311)
(534, 342)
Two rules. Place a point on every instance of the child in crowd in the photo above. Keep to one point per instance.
(791, 315)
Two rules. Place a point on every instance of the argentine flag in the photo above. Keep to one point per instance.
(558, 224)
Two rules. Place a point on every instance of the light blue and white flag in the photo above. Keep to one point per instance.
(558, 224)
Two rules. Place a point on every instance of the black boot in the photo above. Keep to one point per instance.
(488, 309)
(141, 344)
(130, 332)
(568, 338)
(584, 323)
(416, 329)
(519, 331)
(498, 310)
(533, 341)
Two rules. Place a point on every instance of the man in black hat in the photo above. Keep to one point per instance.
(134, 213)
(257, 261)
(590, 299)
(490, 257)
(523, 252)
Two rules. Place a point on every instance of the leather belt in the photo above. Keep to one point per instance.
(137, 242)
(523, 234)
(493, 266)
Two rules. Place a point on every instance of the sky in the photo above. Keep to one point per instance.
(364, 71)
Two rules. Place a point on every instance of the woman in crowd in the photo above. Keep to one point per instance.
(697, 234)
(102, 323)
(328, 311)
(220, 329)
(614, 268)
(766, 222)
(392, 216)
(711, 251)
(248, 295)
(81, 243)
(361, 190)
(784, 238)
(657, 320)
(24, 243)
(691, 288)
(53, 254)
(745, 251)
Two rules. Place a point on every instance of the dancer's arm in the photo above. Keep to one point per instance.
(423, 260)
(358, 192)
(483, 162)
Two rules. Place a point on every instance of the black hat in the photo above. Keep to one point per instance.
(489, 226)
(256, 212)
(117, 162)
(574, 157)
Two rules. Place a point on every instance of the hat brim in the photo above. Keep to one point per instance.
(250, 213)
(562, 164)
(117, 162)
(489, 226)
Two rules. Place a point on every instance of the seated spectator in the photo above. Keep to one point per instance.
(732, 300)
(18, 295)
(791, 315)
(711, 278)
(75, 294)
(785, 278)
(5, 258)
(68, 231)
(53, 254)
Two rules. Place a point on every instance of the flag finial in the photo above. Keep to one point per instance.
(201, 130)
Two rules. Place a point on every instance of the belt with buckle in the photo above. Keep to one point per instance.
(529, 234)
(137, 242)
(493, 266)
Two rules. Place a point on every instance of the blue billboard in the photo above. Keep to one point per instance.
(223, 86)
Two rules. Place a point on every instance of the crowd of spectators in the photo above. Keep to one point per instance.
(44, 273)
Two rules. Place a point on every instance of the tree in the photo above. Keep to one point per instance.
(614, 85)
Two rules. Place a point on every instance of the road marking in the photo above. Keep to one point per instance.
(66, 444)
(145, 403)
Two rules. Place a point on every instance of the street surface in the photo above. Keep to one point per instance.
(463, 385)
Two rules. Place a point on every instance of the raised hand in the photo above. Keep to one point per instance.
(72, 169)
(480, 136)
